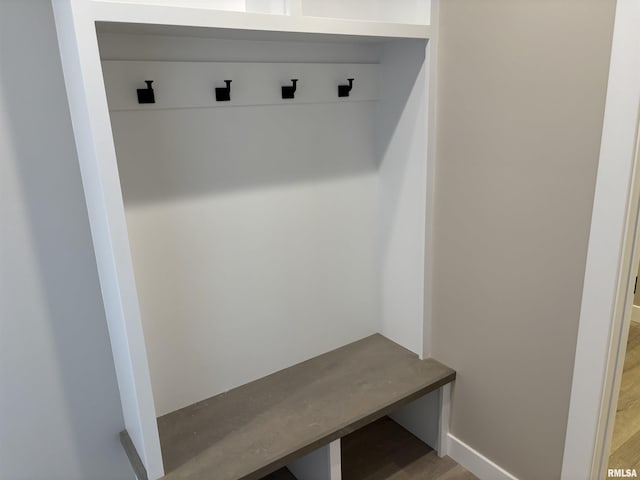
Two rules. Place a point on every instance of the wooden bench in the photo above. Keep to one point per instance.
(255, 429)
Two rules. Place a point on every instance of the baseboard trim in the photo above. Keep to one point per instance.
(635, 314)
(475, 462)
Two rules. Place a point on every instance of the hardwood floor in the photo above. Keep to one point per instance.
(282, 474)
(384, 450)
(625, 447)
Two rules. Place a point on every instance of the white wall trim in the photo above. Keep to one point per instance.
(97, 158)
(635, 314)
(475, 462)
(431, 61)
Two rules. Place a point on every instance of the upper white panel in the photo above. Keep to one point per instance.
(397, 11)
(273, 16)
(277, 7)
(192, 84)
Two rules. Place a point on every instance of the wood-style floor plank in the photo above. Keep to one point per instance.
(625, 446)
(383, 450)
(282, 474)
(257, 428)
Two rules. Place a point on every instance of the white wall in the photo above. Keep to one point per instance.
(59, 400)
(252, 232)
(252, 226)
(400, 11)
(402, 149)
(253, 229)
(257, 6)
(120, 46)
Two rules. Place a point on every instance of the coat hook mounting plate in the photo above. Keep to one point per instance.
(146, 95)
(344, 90)
(223, 94)
(288, 91)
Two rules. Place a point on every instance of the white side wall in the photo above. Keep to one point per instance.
(400, 11)
(306, 213)
(255, 6)
(252, 228)
(59, 400)
(402, 146)
(251, 231)
(94, 142)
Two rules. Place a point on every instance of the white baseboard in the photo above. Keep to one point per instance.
(475, 462)
(635, 314)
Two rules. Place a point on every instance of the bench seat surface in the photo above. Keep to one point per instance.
(255, 429)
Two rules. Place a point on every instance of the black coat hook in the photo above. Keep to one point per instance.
(289, 91)
(146, 95)
(343, 90)
(223, 94)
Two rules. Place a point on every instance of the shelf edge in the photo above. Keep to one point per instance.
(128, 12)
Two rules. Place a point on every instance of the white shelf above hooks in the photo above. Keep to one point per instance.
(193, 13)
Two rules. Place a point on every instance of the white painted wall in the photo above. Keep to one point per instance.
(255, 6)
(131, 46)
(59, 401)
(98, 168)
(56, 370)
(402, 150)
(400, 11)
(304, 213)
(252, 232)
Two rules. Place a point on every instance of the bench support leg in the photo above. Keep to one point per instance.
(423, 418)
(443, 429)
(322, 464)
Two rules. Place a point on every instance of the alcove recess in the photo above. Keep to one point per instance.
(264, 232)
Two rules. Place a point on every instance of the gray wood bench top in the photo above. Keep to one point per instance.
(259, 427)
(255, 429)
